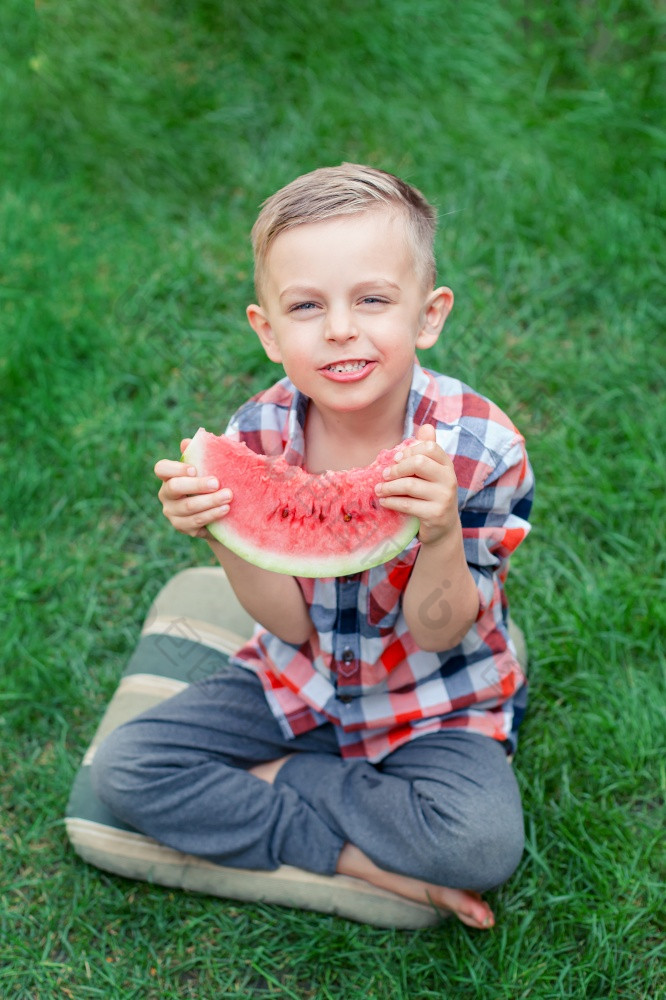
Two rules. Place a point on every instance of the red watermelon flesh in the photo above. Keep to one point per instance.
(289, 521)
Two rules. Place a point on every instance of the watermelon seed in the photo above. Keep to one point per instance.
(285, 512)
(347, 517)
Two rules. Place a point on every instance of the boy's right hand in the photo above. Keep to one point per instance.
(190, 502)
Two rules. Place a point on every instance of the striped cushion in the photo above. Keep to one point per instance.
(182, 641)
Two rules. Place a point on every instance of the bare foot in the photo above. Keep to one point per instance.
(466, 905)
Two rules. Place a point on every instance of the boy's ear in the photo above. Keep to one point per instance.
(259, 322)
(436, 308)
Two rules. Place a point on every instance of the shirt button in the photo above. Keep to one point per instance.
(347, 655)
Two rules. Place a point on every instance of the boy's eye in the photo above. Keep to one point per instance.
(302, 307)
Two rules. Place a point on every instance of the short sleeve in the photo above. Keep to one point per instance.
(266, 422)
(494, 517)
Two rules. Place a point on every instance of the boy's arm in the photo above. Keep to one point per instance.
(441, 600)
(274, 600)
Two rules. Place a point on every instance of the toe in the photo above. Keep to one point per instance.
(469, 908)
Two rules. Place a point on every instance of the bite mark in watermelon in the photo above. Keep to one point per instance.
(286, 520)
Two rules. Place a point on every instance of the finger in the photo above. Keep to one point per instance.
(167, 468)
(425, 433)
(431, 465)
(184, 444)
(435, 519)
(197, 504)
(429, 448)
(413, 506)
(182, 486)
(409, 486)
(196, 524)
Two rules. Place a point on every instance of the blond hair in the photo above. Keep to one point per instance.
(331, 192)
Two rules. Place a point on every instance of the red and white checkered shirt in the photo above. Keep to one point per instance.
(361, 669)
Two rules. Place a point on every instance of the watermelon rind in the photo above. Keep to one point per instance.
(343, 563)
(346, 564)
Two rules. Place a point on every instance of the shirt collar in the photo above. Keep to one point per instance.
(416, 413)
(420, 402)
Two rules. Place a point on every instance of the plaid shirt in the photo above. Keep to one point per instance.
(361, 669)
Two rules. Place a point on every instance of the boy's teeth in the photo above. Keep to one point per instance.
(347, 366)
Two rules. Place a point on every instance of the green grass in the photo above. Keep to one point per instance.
(138, 140)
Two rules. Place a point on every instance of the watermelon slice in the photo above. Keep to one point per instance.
(289, 521)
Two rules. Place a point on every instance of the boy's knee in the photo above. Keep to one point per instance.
(114, 776)
(494, 850)
(480, 850)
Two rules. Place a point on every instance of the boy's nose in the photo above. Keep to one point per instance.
(340, 325)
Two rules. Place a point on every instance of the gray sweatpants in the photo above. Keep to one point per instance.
(444, 808)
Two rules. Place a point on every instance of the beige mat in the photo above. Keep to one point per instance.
(192, 626)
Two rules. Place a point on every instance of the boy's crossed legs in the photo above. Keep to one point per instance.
(465, 904)
(438, 820)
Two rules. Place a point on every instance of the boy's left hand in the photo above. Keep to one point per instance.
(423, 484)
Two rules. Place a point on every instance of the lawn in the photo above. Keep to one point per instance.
(138, 139)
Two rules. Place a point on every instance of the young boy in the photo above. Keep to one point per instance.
(365, 729)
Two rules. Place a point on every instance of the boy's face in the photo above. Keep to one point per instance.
(344, 309)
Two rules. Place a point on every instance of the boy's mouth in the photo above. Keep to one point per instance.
(342, 367)
(353, 370)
